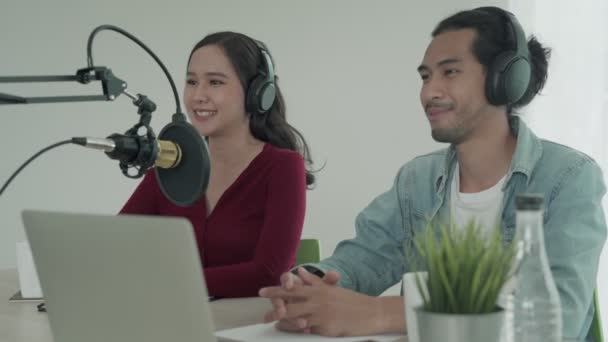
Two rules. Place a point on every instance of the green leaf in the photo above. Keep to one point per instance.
(466, 267)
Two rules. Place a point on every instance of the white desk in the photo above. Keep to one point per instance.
(21, 322)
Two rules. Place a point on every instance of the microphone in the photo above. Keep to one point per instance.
(179, 156)
(131, 150)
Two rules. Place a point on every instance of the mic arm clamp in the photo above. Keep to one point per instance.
(143, 134)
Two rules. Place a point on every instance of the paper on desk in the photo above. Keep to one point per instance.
(268, 333)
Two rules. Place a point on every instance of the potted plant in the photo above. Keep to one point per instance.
(466, 270)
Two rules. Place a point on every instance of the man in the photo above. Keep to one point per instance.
(478, 69)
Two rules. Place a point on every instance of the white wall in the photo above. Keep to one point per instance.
(347, 68)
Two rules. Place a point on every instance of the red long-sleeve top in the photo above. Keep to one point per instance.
(251, 236)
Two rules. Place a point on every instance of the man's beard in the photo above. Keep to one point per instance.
(454, 135)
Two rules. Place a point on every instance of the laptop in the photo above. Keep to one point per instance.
(119, 278)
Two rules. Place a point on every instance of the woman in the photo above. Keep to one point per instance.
(248, 225)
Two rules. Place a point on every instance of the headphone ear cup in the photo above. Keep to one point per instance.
(266, 96)
(260, 95)
(495, 79)
(251, 102)
(507, 79)
(517, 79)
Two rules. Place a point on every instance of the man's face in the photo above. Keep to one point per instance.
(453, 81)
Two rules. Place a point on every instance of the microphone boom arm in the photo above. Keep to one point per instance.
(111, 85)
(179, 147)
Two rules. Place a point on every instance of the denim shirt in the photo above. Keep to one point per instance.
(574, 224)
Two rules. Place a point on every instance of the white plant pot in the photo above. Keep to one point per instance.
(437, 327)
(413, 299)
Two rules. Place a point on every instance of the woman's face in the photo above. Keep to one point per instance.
(213, 94)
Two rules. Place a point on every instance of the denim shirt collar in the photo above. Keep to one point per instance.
(528, 151)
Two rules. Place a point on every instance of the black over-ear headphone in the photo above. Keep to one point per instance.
(262, 89)
(508, 76)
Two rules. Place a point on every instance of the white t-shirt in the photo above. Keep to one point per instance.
(484, 207)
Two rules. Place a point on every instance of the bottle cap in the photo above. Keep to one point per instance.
(529, 202)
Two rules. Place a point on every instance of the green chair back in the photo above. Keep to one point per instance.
(309, 251)
(596, 324)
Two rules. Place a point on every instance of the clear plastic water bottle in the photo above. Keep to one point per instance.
(537, 314)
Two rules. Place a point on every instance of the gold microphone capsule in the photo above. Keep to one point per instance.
(169, 154)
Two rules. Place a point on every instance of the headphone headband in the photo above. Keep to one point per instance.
(268, 67)
(261, 92)
(508, 76)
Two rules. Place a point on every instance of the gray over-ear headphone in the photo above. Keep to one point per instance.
(262, 90)
(508, 76)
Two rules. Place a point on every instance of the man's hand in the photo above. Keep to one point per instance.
(309, 304)
(279, 311)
